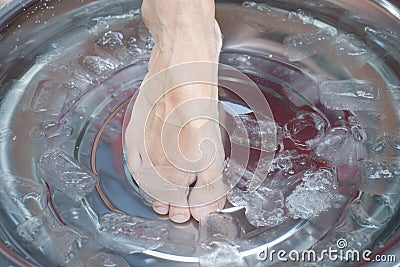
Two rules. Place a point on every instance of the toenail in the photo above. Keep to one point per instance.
(179, 218)
(161, 209)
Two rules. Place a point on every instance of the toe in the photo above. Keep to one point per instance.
(179, 214)
(160, 208)
(200, 212)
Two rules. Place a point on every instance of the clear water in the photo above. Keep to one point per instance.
(334, 174)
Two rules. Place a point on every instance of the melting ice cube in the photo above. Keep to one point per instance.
(338, 148)
(98, 68)
(317, 193)
(64, 243)
(261, 134)
(67, 175)
(131, 234)
(218, 227)
(303, 45)
(49, 97)
(305, 130)
(21, 192)
(266, 208)
(349, 95)
(372, 211)
(222, 254)
(386, 146)
(34, 231)
(349, 49)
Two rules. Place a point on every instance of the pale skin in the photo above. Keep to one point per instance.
(184, 31)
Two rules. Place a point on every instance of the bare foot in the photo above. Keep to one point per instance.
(173, 139)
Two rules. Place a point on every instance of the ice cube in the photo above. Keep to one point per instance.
(67, 175)
(131, 234)
(103, 259)
(266, 208)
(303, 45)
(49, 97)
(290, 162)
(238, 177)
(257, 133)
(145, 36)
(51, 129)
(98, 67)
(372, 210)
(136, 49)
(357, 129)
(222, 255)
(350, 49)
(113, 43)
(218, 227)
(111, 39)
(34, 231)
(22, 192)
(349, 95)
(380, 170)
(64, 243)
(339, 148)
(300, 16)
(385, 146)
(305, 130)
(315, 194)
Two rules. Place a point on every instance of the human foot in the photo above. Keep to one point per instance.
(173, 139)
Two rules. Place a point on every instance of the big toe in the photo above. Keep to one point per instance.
(201, 212)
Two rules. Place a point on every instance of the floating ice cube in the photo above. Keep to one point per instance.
(22, 192)
(64, 243)
(357, 129)
(349, 95)
(218, 227)
(49, 97)
(131, 234)
(372, 210)
(145, 37)
(111, 39)
(300, 16)
(97, 66)
(339, 148)
(113, 43)
(34, 231)
(222, 255)
(380, 170)
(305, 130)
(136, 49)
(238, 177)
(67, 175)
(257, 133)
(303, 45)
(386, 146)
(50, 129)
(266, 208)
(290, 162)
(103, 259)
(349, 49)
(317, 193)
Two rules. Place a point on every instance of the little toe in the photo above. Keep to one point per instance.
(160, 208)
